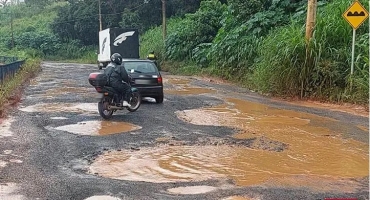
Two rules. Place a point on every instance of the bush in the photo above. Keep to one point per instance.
(284, 66)
(200, 27)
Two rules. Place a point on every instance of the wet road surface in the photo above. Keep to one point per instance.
(206, 141)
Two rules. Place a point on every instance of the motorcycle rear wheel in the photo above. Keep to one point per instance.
(103, 110)
(135, 101)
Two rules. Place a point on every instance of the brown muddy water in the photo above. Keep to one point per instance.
(98, 128)
(182, 87)
(316, 153)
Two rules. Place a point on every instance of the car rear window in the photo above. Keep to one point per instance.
(140, 67)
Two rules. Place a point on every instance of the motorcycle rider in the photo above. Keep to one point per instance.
(118, 78)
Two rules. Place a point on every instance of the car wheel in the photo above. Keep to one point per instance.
(159, 99)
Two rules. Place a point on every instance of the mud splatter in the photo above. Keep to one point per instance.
(98, 128)
(62, 107)
(192, 189)
(5, 127)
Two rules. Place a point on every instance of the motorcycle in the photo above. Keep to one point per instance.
(109, 103)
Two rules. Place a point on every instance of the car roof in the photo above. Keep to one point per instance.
(136, 59)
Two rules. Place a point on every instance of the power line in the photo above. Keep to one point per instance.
(88, 17)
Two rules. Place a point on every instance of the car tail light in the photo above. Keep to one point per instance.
(159, 79)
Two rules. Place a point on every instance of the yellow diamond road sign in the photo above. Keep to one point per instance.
(356, 14)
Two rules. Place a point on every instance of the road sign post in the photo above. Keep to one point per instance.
(355, 15)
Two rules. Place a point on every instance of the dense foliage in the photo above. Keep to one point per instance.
(261, 43)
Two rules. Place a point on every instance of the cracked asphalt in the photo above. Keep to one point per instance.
(38, 161)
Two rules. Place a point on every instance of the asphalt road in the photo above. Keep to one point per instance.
(206, 141)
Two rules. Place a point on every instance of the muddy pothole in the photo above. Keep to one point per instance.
(180, 86)
(98, 128)
(246, 166)
(315, 145)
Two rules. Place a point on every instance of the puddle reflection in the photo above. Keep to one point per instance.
(98, 128)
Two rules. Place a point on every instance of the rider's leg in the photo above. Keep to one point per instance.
(127, 94)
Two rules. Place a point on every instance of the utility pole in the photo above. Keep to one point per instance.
(100, 23)
(164, 20)
(311, 18)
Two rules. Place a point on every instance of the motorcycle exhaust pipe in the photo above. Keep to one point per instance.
(115, 108)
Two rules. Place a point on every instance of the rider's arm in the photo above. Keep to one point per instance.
(123, 73)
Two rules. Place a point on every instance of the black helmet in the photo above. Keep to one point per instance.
(116, 58)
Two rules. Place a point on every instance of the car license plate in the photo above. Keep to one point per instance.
(142, 81)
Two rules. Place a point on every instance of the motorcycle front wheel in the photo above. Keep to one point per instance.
(135, 101)
(103, 110)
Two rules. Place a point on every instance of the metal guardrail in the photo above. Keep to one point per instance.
(9, 66)
(7, 60)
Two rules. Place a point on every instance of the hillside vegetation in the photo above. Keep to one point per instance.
(258, 43)
(265, 49)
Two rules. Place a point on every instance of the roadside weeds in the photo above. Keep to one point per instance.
(12, 88)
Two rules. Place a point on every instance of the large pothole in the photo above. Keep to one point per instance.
(246, 166)
(98, 128)
(315, 146)
(180, 86)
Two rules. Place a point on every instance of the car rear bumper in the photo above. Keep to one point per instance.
(150, 91)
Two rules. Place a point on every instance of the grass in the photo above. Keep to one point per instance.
(11, 87)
